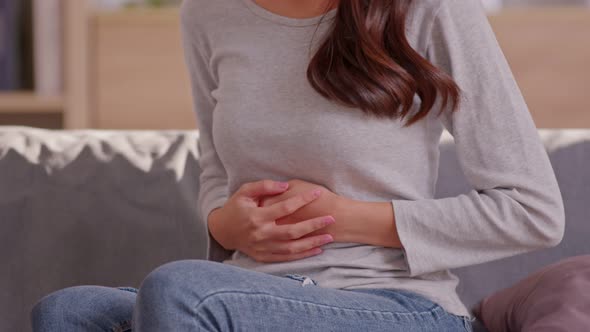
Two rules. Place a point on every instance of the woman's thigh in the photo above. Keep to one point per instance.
(85, 308)
(201, 295)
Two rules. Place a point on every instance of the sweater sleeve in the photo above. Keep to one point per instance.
(213, 192)
(515, 205)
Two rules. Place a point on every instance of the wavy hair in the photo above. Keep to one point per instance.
(367, 62)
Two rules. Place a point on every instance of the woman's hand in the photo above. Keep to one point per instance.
(243, 224)
(356, 221)
(328, 204)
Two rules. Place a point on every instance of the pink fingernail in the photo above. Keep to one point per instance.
(329, 220)
(283, 185)
(327, 238)
(317, 192)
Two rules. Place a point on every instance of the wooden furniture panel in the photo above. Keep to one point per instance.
(69, 109)
(77, 108)
(139, 79)
(139, 76)
(549, 53)
(29, 102)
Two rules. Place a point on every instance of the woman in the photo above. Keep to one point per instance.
(319, 124)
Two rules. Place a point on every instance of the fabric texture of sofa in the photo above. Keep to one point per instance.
(107, 207)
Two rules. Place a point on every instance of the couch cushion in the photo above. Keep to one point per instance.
(553, 299)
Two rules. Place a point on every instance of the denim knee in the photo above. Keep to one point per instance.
(83, 307)
(44, 311)
(53, 307)
(171, 277)
(168, 292)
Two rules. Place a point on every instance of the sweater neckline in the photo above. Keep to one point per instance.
(291, 21)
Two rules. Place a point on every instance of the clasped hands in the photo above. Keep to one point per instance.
(271, 223)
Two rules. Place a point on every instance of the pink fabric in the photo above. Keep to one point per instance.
(553, 299)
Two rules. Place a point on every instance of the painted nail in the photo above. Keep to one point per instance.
(327, 238)
(329, 220)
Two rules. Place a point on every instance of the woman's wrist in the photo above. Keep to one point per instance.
(367, 222)
(215, 227)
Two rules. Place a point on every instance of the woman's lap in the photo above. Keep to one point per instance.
(211, 296)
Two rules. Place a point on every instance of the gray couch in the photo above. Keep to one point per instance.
(107, 207)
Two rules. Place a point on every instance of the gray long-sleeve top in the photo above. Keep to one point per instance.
(259, 118)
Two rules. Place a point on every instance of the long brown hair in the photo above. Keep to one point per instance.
(367, 62)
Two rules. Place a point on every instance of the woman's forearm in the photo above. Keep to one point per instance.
(368, 222)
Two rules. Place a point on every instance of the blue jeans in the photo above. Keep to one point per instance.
(199, 295)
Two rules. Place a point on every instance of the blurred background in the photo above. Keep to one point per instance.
(118, 64)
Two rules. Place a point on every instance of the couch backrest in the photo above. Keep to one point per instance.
(92, 207)
(569, 152)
